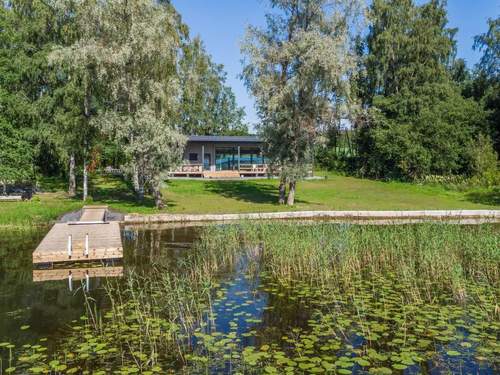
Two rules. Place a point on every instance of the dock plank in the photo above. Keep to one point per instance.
(93, 214)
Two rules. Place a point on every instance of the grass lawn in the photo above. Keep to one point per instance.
(212, 196)
(333, 193)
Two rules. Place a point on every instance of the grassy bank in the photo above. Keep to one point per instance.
(334, 193)
(209, 196)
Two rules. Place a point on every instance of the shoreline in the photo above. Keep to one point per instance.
(457, 216)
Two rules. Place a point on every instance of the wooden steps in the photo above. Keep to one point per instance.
(221, 174)
(93, 213)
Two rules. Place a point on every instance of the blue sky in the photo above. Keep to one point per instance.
(221, 25)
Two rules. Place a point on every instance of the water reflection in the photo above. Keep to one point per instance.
(49, 299)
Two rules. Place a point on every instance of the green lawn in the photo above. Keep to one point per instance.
(212, 196)
(334, 193)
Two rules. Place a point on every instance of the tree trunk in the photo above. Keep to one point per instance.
(135, 178)
(282, 190)
(86, 109)
(291, 194)
(157, 195)
(140, 191)
(85, 180)
(72, 178)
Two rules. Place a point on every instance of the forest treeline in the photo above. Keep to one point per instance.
(425, 112)
(375, 91)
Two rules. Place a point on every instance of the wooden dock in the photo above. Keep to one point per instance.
(90, 238)
(76, 273)
(93, 214)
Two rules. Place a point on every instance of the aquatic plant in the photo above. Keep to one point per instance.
(294, 298)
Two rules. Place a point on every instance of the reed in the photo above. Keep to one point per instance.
(433, 254)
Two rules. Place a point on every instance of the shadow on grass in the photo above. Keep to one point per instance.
(247, 191)
(53, 184)
(490, 197)
(113, 190)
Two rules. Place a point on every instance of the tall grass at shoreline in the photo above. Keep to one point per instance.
(448, 255)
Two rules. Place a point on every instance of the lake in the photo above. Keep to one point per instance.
(260, 298)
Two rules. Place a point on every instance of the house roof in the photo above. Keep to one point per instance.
(225, 138)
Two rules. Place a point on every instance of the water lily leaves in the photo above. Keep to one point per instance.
(399, 366)
(380, 371)
(37, 370)
(270, 370)
(453, 353)
(362, 362)
(306, 366)
(25, 327)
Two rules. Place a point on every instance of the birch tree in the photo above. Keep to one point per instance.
(79, 62)
(298, 69)
(132, 47)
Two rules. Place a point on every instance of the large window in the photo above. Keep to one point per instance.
(226, 158)
(251, 156)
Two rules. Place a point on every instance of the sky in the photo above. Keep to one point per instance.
(221, 24)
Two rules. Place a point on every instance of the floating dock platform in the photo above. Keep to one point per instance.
(76, 273)
(89, 239)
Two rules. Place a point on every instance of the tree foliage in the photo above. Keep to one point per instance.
(29, 29)
(208, 105)
(418, 123)
(485, 87)
(58, 72)
(408, 46)
(297, 69)
(131, 49)
(15, 156)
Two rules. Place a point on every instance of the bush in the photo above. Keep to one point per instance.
(430, 131)
(484, 163)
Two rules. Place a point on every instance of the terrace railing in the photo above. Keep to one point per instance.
(189, 168)
(253, 168)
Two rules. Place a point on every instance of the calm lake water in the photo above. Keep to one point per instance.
(254, 309)
(49, 306)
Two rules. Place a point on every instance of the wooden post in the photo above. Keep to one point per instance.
(70, 281)
(70, 246)
(86, 253)
(202, 158)
(239, 157)
(87, 281)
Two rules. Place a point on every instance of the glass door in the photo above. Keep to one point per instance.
(207, 158)
(226, 159)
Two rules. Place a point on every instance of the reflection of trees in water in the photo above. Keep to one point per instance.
(45, 306)
(284, 315)
(167, 247)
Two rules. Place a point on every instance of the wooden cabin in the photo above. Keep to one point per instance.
(209, 156)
